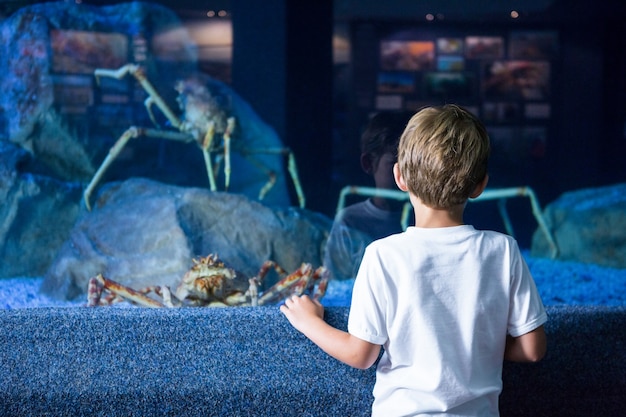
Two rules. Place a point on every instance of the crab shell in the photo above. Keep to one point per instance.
(207, 281)
(201, 107)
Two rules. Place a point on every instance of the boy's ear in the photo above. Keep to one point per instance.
(366, 163)
(397, 175)
(480, 187)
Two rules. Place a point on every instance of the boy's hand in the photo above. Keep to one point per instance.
(302, 311)
(307, 316)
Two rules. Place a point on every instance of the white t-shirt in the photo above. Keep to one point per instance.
(441, 302)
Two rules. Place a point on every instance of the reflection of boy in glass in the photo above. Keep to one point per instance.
(359, 224)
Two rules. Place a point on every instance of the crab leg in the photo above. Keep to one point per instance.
(167, 296)
(266, 267)
(321, 273)
(292, 167)
(94, 295)
(118, 289)
(293, 171)
(286, 283)
(227, 136)
(253, 292)
(94, 292)
(300, 286)
(271, 180)
(140, 75)
(207, 143)
(307, 284)
(131, 133)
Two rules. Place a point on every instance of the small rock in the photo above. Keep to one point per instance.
(589, 225)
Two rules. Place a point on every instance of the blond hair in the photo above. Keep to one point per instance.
(443, 155)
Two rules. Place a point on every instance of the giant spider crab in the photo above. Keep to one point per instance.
(204, 118)
(210, 283)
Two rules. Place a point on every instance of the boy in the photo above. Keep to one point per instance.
(447, 302)
(359, 224)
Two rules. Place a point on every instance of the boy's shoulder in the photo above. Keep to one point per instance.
(443, 234)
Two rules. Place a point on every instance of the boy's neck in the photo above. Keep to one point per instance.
(428, 217)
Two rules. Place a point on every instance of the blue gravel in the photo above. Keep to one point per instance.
(559, 283)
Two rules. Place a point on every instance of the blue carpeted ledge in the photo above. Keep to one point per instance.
(250, 362)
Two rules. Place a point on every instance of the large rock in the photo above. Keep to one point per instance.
(36, 215)
(588, 225)
(142, 232)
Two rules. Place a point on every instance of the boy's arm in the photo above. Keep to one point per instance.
(529, 347)
(307, 316)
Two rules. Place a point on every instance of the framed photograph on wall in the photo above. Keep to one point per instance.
(450, 46)
(484, 47)
(81, 52)
(407, 55)
(449, 85)
(516, 80)
(538, 44)
(396, 82)
(450, 63)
